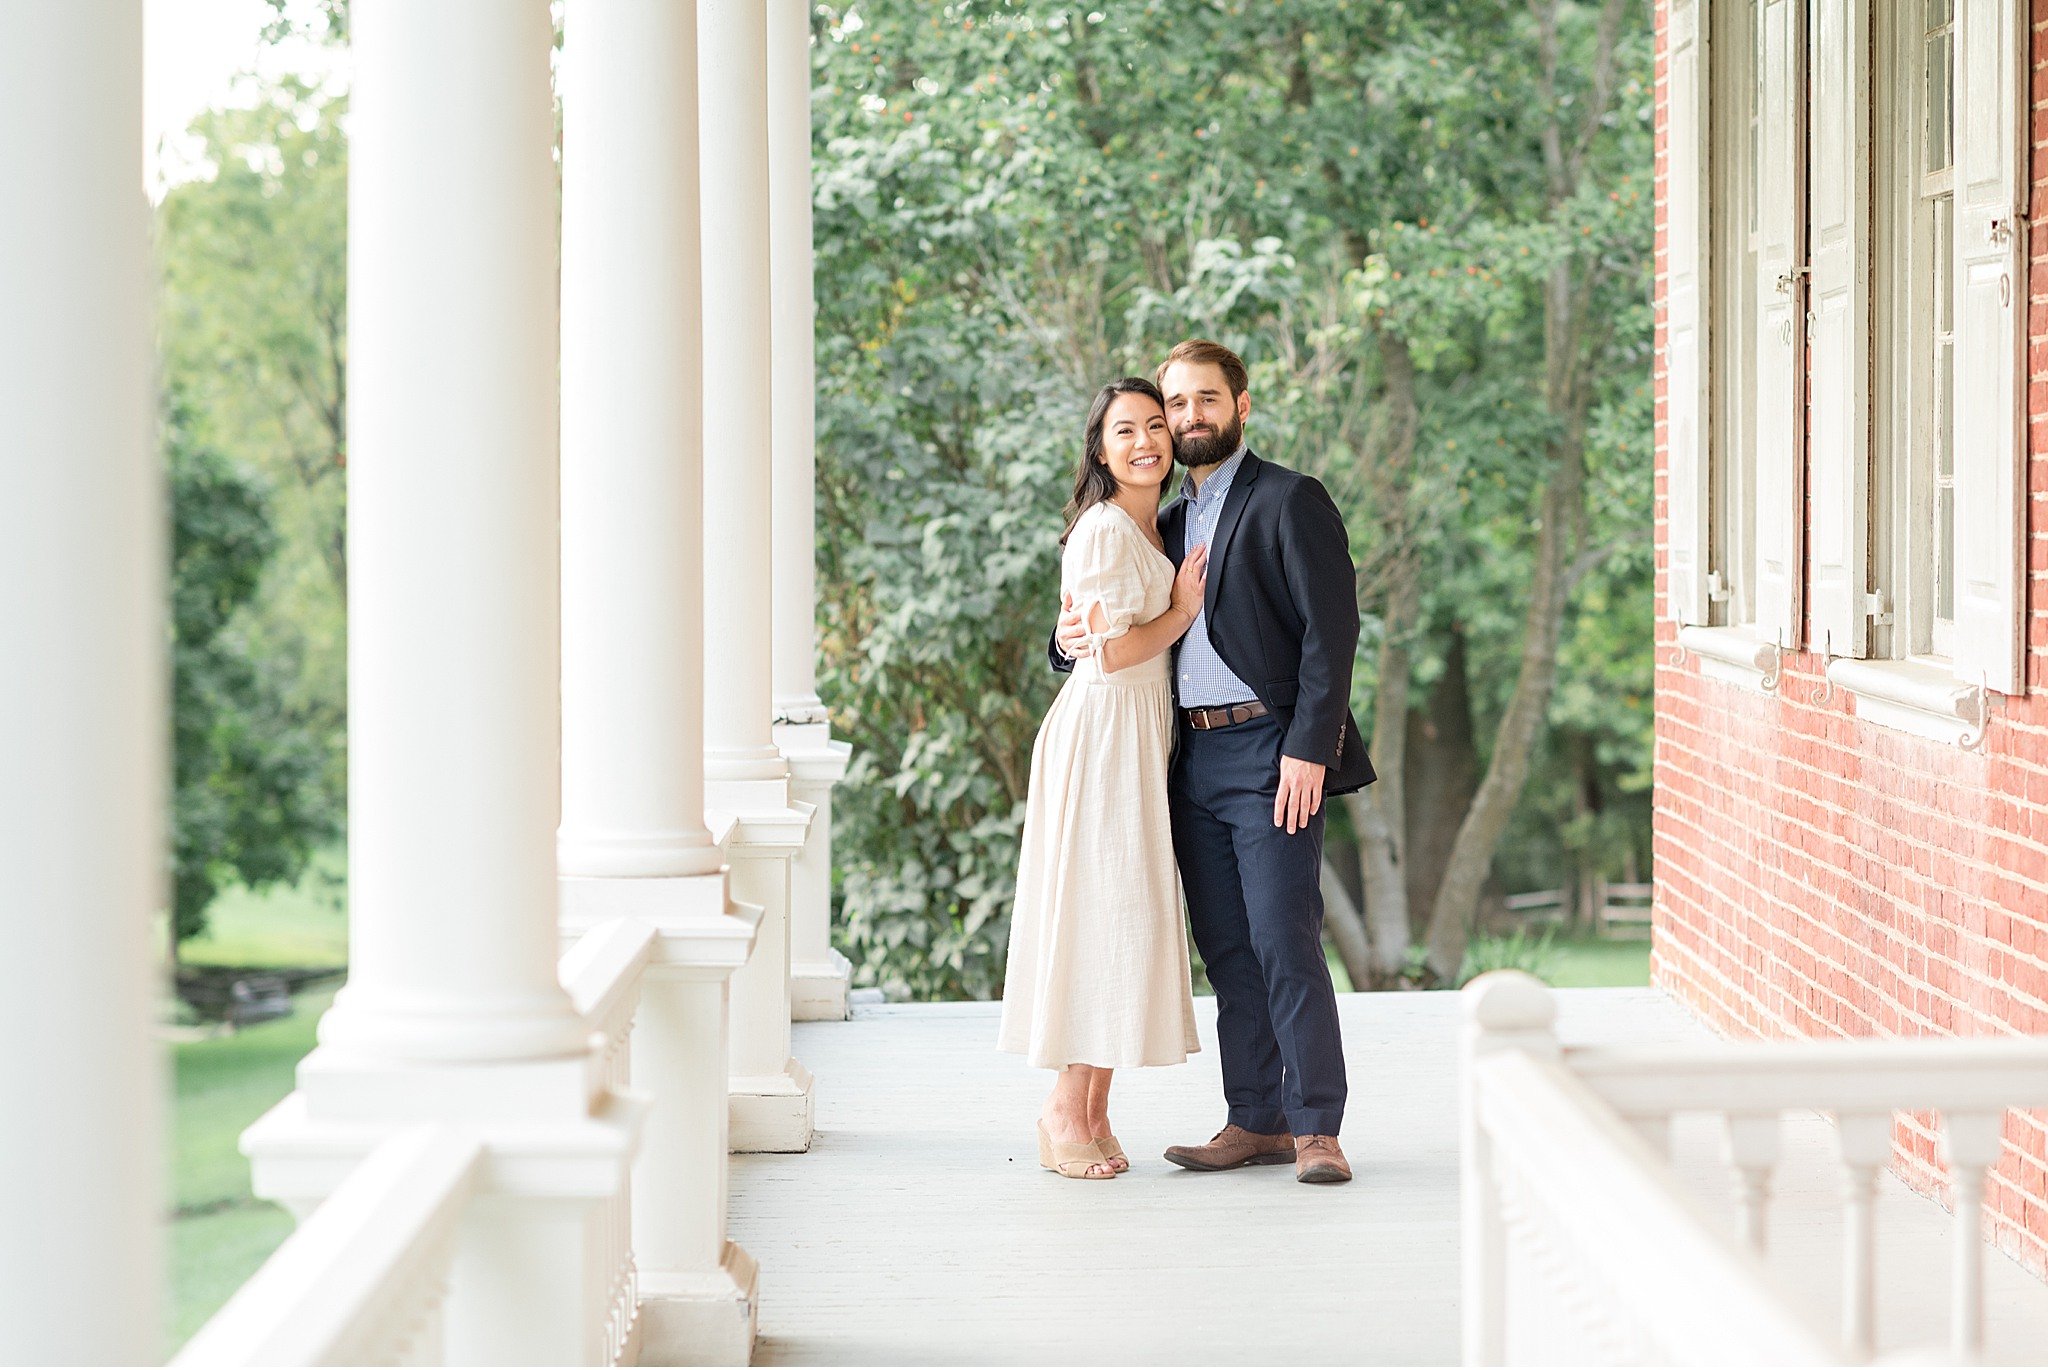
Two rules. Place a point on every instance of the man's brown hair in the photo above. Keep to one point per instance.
(1202, 352)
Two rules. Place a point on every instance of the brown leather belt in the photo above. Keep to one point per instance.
(1202, 720)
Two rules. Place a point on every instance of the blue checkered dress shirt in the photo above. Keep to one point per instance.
(1202, 681)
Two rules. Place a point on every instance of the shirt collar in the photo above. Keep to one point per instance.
(1219, 481)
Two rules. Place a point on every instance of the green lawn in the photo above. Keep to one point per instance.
(1563, 962)
(1597, 963)
(211, 1255)
(1562, 959)
(301, 925)
(220, 1232)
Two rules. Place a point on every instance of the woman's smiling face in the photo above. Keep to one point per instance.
(1137, 445)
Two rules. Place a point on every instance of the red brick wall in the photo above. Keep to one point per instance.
(1820, 876)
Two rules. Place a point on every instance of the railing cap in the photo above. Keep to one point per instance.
(1509, 1001)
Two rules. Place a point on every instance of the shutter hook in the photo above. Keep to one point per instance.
(1976, 711)
(1826, 691)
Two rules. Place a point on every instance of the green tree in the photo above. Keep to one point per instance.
(1427, 230)
(254, 343)
(248, 803)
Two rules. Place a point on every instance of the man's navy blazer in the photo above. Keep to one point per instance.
(1283, 611)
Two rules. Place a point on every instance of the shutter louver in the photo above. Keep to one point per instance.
(1780, 330)
(1990, 423)
(1839, 459)
(1685, 295)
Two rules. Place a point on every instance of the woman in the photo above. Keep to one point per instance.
(1098, 966)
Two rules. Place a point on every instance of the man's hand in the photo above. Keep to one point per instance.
(1072, 632)
(1301, 793)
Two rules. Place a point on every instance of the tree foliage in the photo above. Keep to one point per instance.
(1426, 227)
(249, 802)
(253, 347)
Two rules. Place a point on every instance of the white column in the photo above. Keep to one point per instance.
(795, 364)
(747, 779)
(818, 974)
(454, 1011)
(453, 511)
(633, 841)
(82, 696)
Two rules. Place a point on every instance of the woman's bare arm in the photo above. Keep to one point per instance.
(1146, 640)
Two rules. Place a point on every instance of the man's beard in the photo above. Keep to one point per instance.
(1207, 449)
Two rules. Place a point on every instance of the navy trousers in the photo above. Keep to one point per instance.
(1255, 902)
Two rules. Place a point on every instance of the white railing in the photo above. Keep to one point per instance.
(362, 1279)
(602, 974)
(1581, 1245)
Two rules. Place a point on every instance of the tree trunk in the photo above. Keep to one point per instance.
(1587, 877)
(1379, 813)
(1562, 506)
(1346, 929)
(1442, 774)
(1567, 396)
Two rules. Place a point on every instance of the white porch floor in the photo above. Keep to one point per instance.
(920, 1230)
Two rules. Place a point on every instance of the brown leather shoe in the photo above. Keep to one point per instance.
(1319, 1160)
(1233, 1147)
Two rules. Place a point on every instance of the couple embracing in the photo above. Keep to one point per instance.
(1206, 718)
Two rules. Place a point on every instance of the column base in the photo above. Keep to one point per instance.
(700, 1319)
(772, 1112)
(818, 989)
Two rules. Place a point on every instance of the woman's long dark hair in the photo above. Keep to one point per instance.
(1094, 483)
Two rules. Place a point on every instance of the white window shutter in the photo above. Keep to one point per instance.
(1838, 462)
(1780, 330)
(1685, 303)
(1991, 53)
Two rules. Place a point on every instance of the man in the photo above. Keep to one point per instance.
(1263, 684)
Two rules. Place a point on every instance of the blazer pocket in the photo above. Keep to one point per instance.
(1280, 693)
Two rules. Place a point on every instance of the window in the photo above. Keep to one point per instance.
(1735, 329)
(1844, 344)
(1914, 493)
(1934, 349)
(1735, 112)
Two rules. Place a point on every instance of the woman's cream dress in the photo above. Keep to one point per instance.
(1098, 969)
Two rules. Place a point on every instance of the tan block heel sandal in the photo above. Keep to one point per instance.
(1071, 1160)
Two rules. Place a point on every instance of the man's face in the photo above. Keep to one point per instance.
(1208, 423)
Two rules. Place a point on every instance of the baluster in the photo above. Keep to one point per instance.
(1751, 1144)
(1865, 1140)
(625, 1279)
(1970, 1143)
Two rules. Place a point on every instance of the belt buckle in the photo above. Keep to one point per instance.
(1198, 719)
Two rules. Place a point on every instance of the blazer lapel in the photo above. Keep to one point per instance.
(1226, 523)
(1173, 528)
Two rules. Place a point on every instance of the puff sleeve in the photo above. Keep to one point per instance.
(1101, 572)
